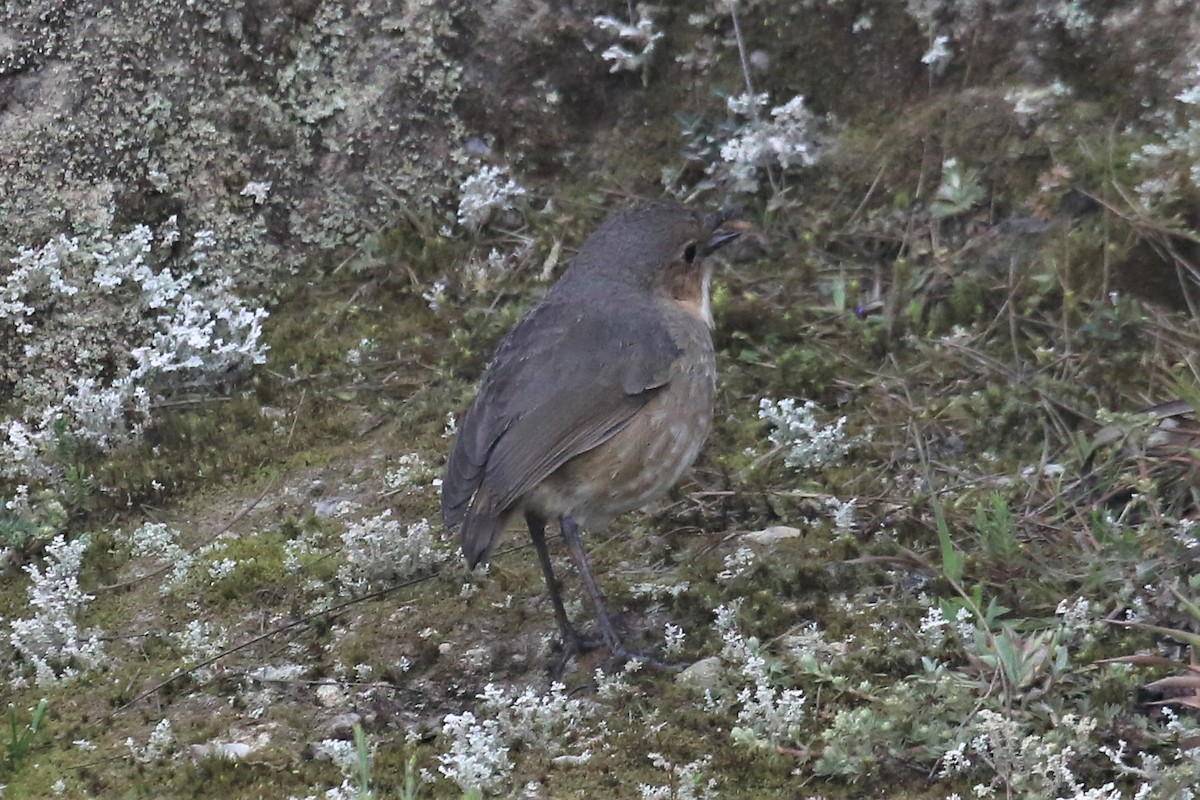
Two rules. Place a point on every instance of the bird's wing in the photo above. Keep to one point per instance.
(562, 382)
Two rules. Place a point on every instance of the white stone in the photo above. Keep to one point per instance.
(773, 534)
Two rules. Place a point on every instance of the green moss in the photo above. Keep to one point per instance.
(983, 352)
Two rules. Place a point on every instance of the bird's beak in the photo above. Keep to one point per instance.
(720, 237)
(724, 226)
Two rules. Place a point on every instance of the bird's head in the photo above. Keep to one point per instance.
(657, 248)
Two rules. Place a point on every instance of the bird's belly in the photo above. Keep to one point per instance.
(644, 459)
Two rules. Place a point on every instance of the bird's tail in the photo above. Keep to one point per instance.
(481, 530)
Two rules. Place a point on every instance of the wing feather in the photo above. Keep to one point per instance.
(563, 381)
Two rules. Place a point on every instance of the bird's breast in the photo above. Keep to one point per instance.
(650, 454)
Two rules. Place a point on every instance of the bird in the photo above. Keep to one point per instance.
(598, 400)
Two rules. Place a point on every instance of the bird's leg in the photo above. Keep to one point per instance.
(572, 642)
(570, 532)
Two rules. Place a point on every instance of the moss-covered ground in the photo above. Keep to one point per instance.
(986, 358)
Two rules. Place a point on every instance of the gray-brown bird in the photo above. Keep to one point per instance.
(598, 400)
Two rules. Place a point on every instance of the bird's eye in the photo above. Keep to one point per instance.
(689, 253)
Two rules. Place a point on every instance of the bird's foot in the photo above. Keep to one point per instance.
(620, 656)
(623, 656)
(573, 643)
